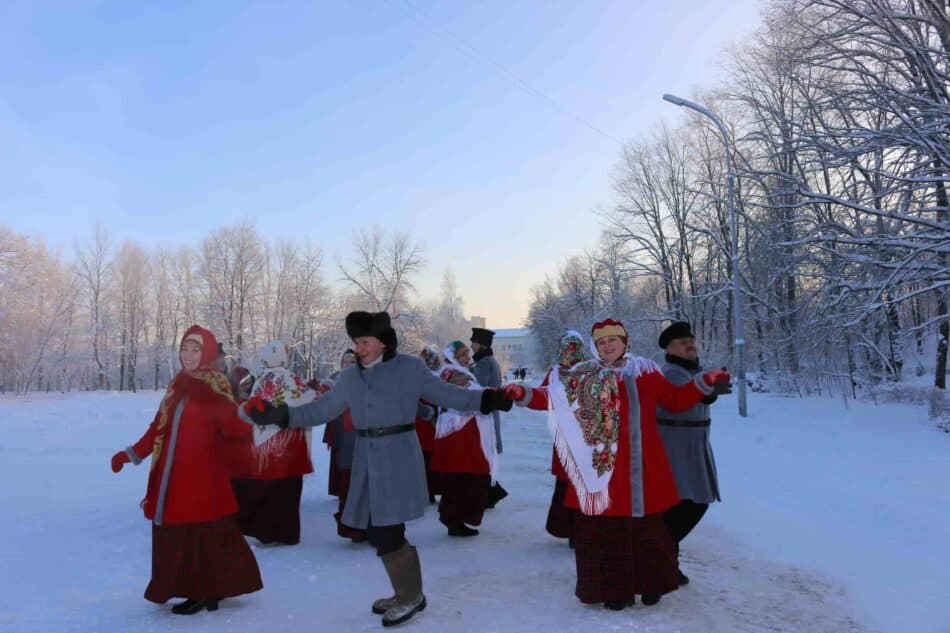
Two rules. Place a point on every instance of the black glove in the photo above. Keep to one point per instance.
(709, 399)
(264, 413)
(495, 400)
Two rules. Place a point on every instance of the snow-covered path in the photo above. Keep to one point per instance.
(831, 518)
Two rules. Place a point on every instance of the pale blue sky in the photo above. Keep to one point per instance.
(171, 119)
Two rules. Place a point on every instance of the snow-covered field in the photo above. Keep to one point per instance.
(834, 519)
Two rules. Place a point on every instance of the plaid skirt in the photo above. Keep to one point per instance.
(269, 510)
(619, 557)
(201, 561)
(560, 521)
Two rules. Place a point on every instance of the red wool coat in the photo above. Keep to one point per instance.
(199, 470)
(659, 488)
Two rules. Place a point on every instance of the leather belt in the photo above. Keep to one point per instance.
(381, 431)
(684, 424)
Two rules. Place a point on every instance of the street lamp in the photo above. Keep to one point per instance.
(734, 229)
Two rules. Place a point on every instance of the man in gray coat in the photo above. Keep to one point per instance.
(388, 481)
(488, 373)
(686, 437)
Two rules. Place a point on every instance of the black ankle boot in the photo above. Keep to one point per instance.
(683, 579)
(496, 494)
(615, 605)
(191, 607)
(462, 530)
(650, 599)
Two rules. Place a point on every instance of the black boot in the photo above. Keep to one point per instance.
(683, 579)
(615, 605)
(650, 599)
(191, 607)
(496, 494)
(462, 530)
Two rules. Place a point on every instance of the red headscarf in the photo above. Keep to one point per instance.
(209, 345)
(201, 383)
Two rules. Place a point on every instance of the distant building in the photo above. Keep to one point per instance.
(477, 321)
(514, 347)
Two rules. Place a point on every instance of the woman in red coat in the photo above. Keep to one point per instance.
(603, 415)
(464, 458)
(198, 552)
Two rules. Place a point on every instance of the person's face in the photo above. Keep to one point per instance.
(190, 355)
(347, 360)
(683, 348)
(368, 349)
(476, 347)
(465, 358)
(610, 348)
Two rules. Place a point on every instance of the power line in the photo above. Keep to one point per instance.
(427, 20)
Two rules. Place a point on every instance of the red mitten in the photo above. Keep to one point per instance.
(254, 404)
(119, 460)
(713, 376)
(719, 380)
(515, 392)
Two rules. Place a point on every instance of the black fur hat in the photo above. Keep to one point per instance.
(679, 329)
(375, 324)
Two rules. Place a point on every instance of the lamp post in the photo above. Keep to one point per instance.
(734, 229)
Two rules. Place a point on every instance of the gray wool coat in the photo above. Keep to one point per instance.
(388, 478)
(488, 374)
(687, 444)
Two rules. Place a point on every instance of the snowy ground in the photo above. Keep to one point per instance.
(834, 520)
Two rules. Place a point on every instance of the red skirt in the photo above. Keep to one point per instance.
(269, 510)
(343, 530)
(619, 557)
(560, 521)
(464, 498)
(201, 561)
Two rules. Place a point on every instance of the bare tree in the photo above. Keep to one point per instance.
(94, 265)
(382, 268)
